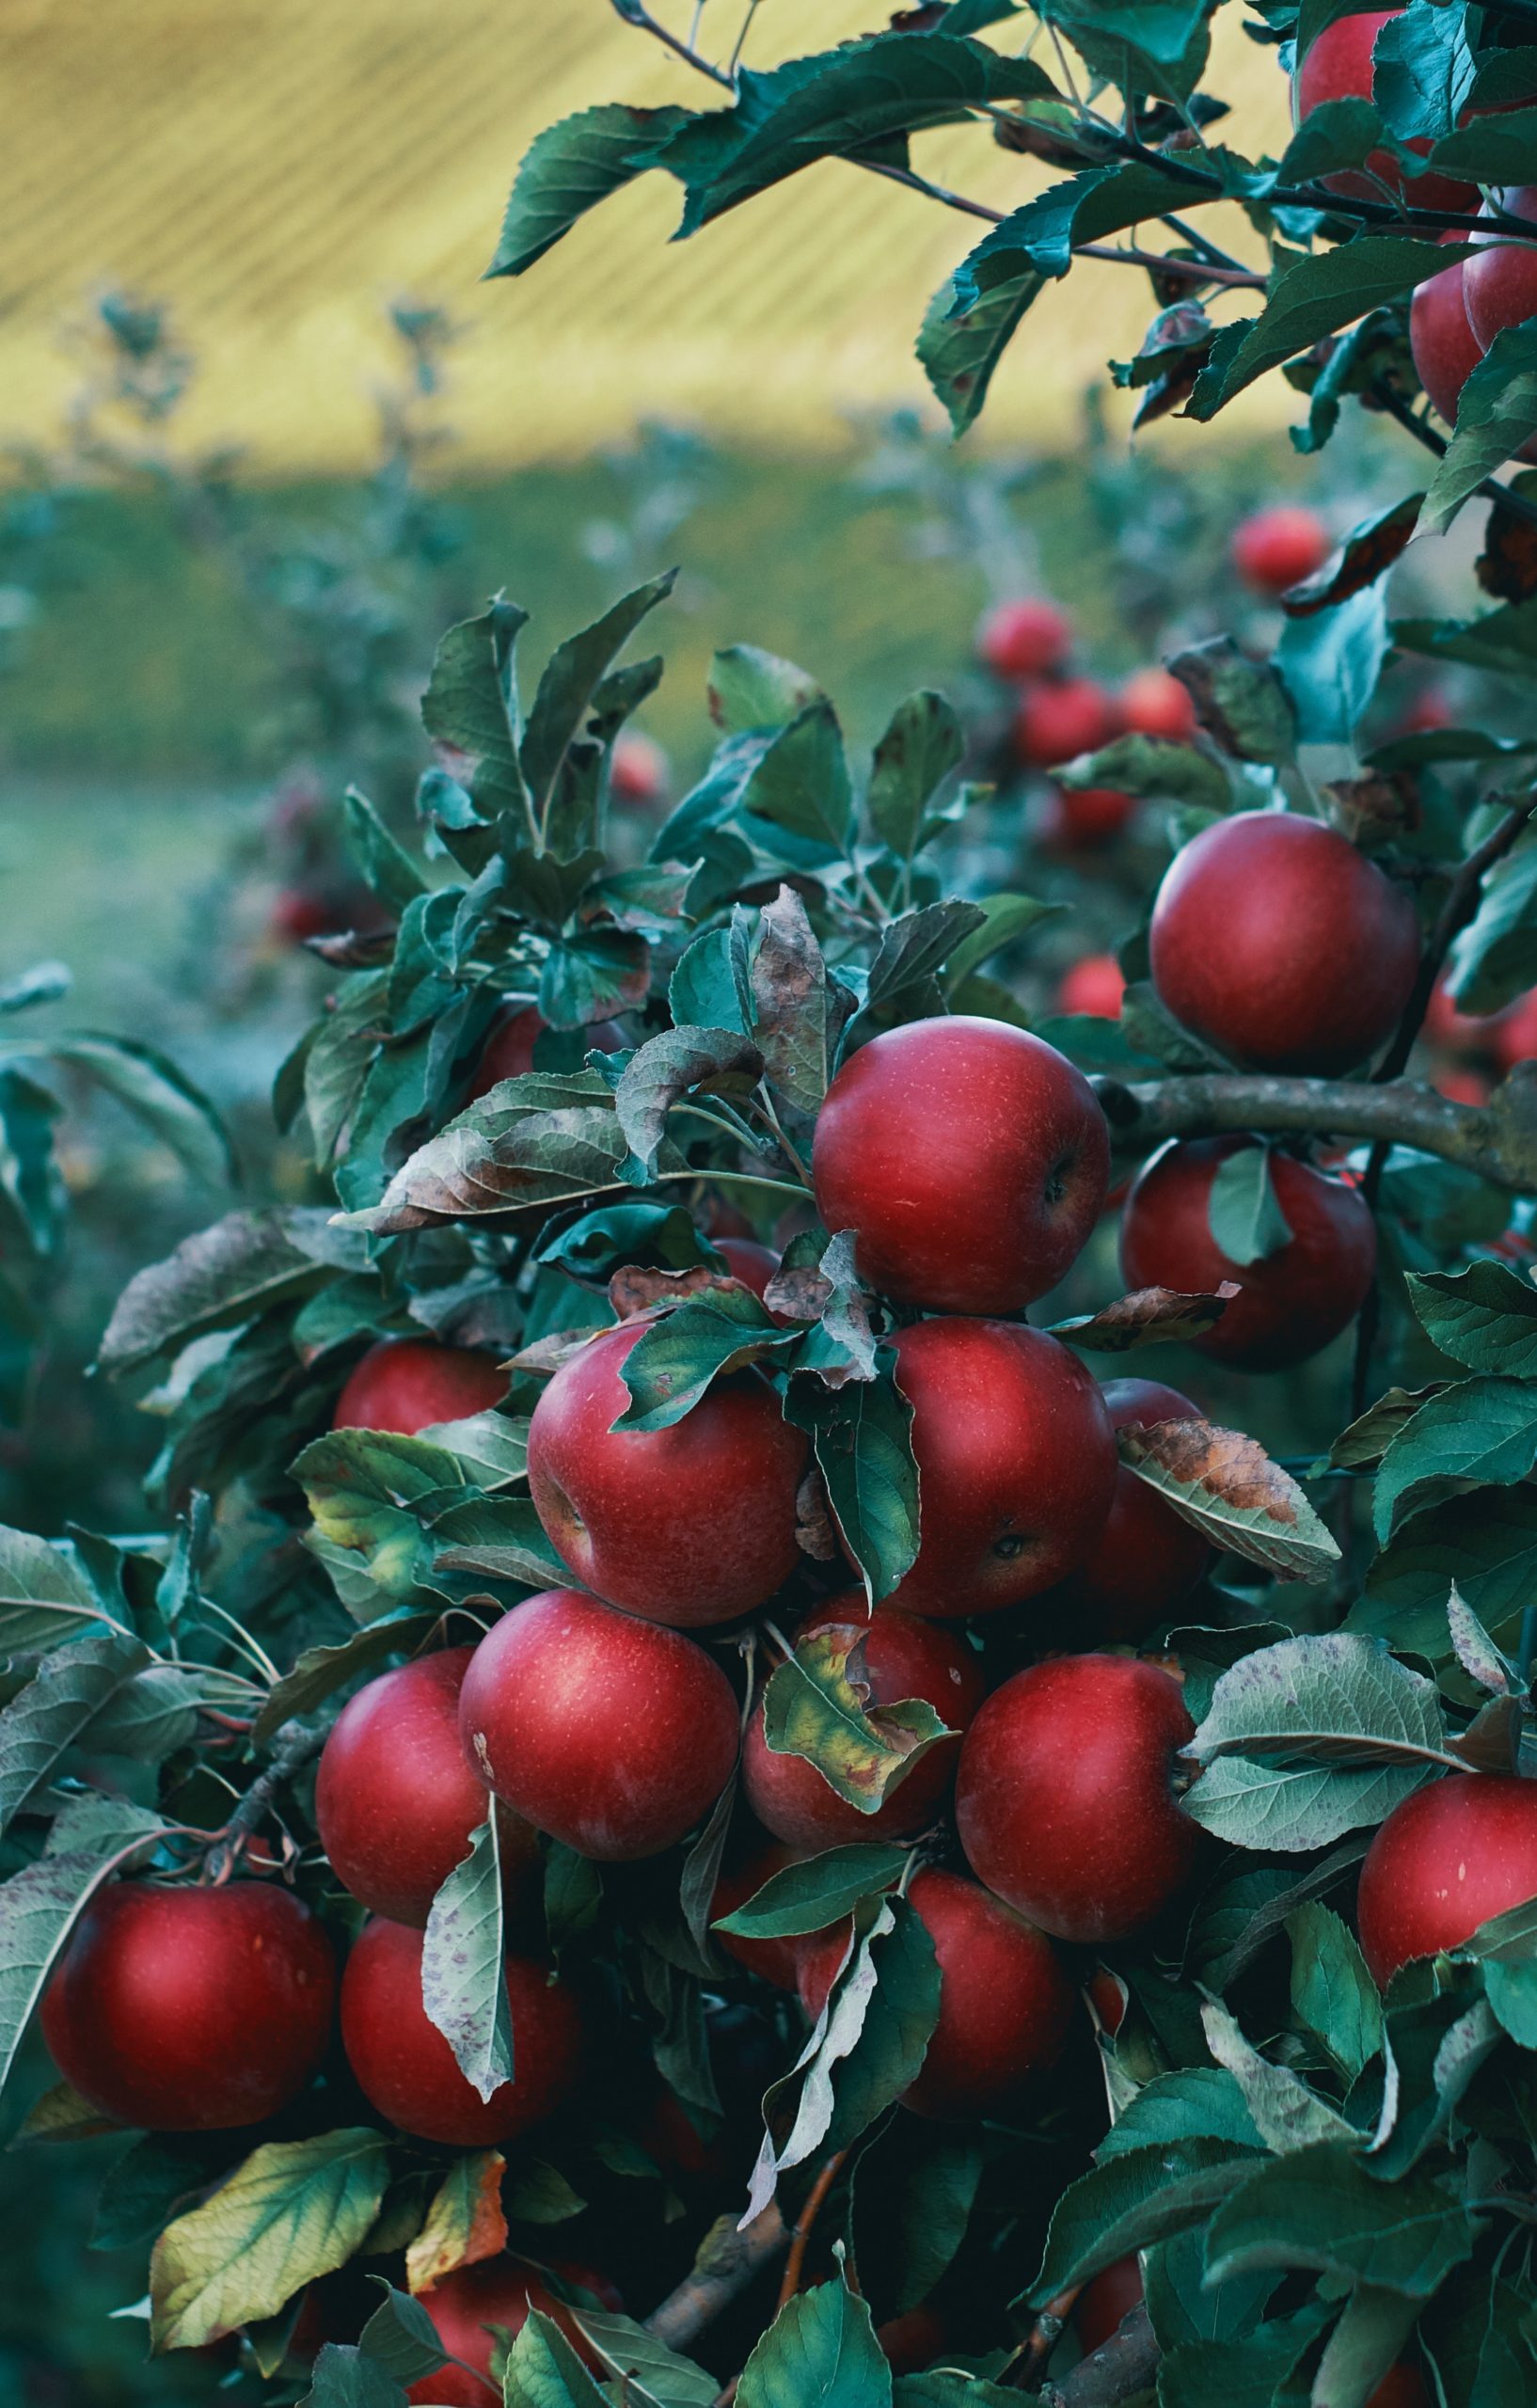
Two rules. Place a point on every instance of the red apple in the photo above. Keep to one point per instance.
(1280, 944)
(1451, 1856)
(893, 1655)
(1462, 1087)
(690, 1524)
(406, 2068)
(463, 2307)
(1459, 1032)
(395, 1801)
(191, 2009)
(1294, 1301)
(776, 1962)
(1499, 282)
(1275, 548)
(1338, 66)
(1006, 2004)
(611, 1733)
(1025, 639)
(1095, 986)
(1078, 819)
(637, 769)
(1446, 350)
(1155, 704)
(407, 1383)
(508, 1051)
(1017, 1464)
(1064, 1801)
(1516, 1031)
(914, 2339)
(1103, 2302)
(971, 1159)
(1146, 1558)
(1061, 718)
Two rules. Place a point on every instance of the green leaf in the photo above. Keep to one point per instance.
(810, 1896)
(863, 1437)
(1495, 412)
(820, 2352)
(29, 1174)
(40, 1904)
(1333, 1698)
(1484, 1315)
(464, 1988)
(1153, 767)
(491, 1449)
(1487, 1543)
(1331, 661)
(471, 706)
(1363, 2346)
(544, 1138)
(1422, 72)
(44, 983)
(1200, 2104)
(1242, 1209)
(568, 168)
(361, 1485)
(294, 2211)
(572, 674)
(962, 341)
(1005, 918)
(818, 1705)
(43, 1594)
(1240, 702)
(319, 1671)
(1333, 1996)
(701, 991)
(666, 1068)
(1138, 2198)
(387, 866)
(1041, 236)
(645, 2369)
(681, 1354)
(148, 1084)
(243, 1265)
(343, 2377)
(924, 745)
(1249, 2372)
(749, 689)
(1287, 2115)
(1320, 2208)
(399, 2337)
(542, 2371)
(1314, 296)
(593, 975)
(800, 784)
(1228, 1487)
(1483, 1429)
(1494, 959)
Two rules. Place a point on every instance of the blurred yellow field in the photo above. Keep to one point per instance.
(278, 172)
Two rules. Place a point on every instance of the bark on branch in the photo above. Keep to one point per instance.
(726, 2263)
(1497, 1140)
(1118, 2368)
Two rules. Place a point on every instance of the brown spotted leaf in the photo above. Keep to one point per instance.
(816, 1533)
(1366, 553)
(465, 2223)
(799, 1293)
(1148, 1317)
(1380, 804)
(793, 1022)
(543, 1139)
(1229, 1488)
(818, 1705)
(635, 1290)
(668, 1067)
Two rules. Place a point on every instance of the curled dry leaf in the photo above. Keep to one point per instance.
(817, 1704)
(1148, 1317)
(634, 1289)
(1380, 804)
(1227, 1485)
(800, 1293)
(1366, 553)
(465, 2223)
(548, 1352)
(354, 949)
(814, 1532)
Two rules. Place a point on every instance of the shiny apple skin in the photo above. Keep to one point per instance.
(1064, 1801)
(971, 1160)
(1017, 1465)
(1294, 1301)
(406, 2068)
(1147, 1558)
(898, 1657)
(688, 1526)
(1283, 946)
(1451, 1856)
(1446, 350)
(191, 2009)
(395, 1801)
(612, 1734)
(407, 1383)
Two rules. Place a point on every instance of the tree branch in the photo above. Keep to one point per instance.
(1497, 1140)
(1489, 488)
(1125, 2364)
(728, 2262)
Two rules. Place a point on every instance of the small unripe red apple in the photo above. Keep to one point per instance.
(1005, 2003)
(1078, 819)
(893, 1656)
(1017, 1464)
(1446, 350)
(1283, 946)
(508, 1051)
(1459, 1032)
(1454, 1854)
(500, 2291)
(395, 1801)
(1294, 1301)
(637, 769)
(1064, 1800)
(971, 1160)
(1339, 66)
(1155, 704)
(406, 2068)
(1094, 986)
(1516, 1032)
(1499, 282)
(690, 1524)
(1025, 639)
(1275, 548)
(1147, 1558)
(1061, 718)
(611, 1733)
(407, 1383)
(1103, 2302)
(191, 2009)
